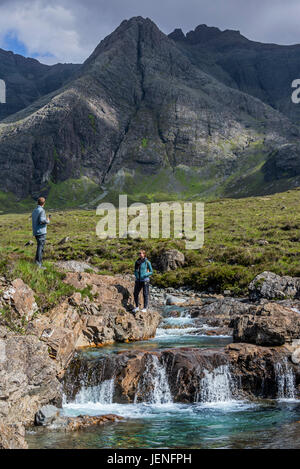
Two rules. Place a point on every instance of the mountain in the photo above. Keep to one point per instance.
(142, 115)
(27, 80)
(265, 71)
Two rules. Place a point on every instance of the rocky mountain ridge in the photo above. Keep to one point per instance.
(143, 114)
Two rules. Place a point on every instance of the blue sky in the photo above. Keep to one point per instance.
(68, 30)
(12, 43)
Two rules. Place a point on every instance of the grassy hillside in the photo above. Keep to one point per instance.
(243, 237)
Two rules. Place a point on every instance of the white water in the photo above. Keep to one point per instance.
(102, 393)
(216, 386)
(153, 385)
(160, 332)
(285, 379)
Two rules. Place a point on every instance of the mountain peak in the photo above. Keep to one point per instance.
(203, 33)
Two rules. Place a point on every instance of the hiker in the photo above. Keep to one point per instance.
(142, 272)
(39, 229)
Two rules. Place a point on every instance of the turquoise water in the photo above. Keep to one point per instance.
(226, 425)
(223, 424)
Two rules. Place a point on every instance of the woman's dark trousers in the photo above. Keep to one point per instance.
(139, 285)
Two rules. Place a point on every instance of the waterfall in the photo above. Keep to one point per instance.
(153, 386)
(285, 380)
(102, 393)
(216, 386)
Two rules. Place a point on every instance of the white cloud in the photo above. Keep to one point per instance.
(44, 29)
(70, 29)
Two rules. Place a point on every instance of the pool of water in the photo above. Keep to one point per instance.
(222, 425)
(163, 341)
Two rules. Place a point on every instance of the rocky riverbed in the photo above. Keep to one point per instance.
(190, 347)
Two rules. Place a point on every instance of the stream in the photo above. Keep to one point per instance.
(215, 420)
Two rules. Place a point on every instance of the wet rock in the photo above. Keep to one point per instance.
(170, 259)
(258, 370)
(267, 324)
(240, 371)
(85, 421)
(273, 287)
(219, 312)
(175, 300)
(46, 415)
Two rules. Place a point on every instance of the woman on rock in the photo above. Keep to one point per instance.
(142, 272)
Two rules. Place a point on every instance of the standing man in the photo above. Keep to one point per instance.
(142, 272)
(39, 228)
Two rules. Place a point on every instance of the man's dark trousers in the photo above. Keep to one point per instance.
(137, 288)
(41, 241)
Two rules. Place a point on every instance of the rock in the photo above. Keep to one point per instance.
(78, 322)
(29, 243)
(46, 415)
(295, 357)
(27, 378)
(267, 324)
(226, 292)
(20, 299)
(219, 313)
(258, 370)
(85, 421)
(170, 259)
(175, 300)
(273, 287)
(64, 240)
(75, 266)
(184, 369)
(241, 371)
(262, 242)
(12, 436)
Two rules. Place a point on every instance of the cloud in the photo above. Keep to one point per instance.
(69, 30)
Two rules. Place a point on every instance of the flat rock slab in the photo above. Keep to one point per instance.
(75, 266)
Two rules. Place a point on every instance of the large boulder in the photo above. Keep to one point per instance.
(19, 298)
(82, 322)
(273, 287)
(267, 324)
(46, 415)
(264, 372)
(219, 313)
(170, 259)
(109, 317)
(27, 377)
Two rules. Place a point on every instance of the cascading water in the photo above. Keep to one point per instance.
(102, 393)
(216, 386)
(285, 380)
(153, 386)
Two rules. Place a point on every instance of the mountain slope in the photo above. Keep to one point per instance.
(265, 71)
(141, 117)
(27, 80)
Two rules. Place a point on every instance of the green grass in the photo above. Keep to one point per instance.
(231, 257)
